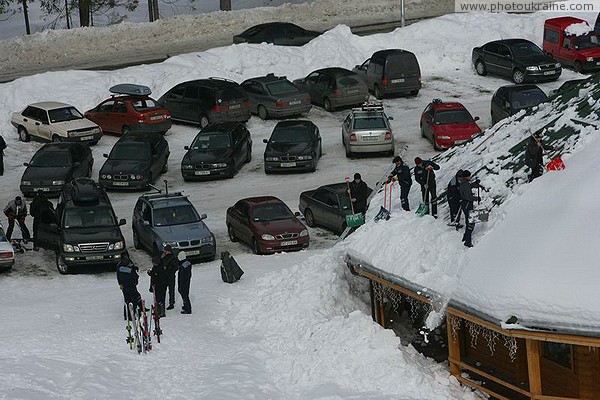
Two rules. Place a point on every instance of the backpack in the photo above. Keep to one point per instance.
(230, 270)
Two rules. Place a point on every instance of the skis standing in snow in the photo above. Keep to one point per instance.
(401, 172)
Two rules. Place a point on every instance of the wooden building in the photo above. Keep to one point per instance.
(523, 362)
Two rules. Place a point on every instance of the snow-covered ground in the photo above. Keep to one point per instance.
(291, 328)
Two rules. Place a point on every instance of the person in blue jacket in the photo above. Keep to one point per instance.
(127, 277)
(184, 276)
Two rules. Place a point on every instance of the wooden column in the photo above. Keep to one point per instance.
(381, 313)
(372, 296)
(453, 348)
(533, 367)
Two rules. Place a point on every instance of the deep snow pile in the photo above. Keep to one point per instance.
(531, 244)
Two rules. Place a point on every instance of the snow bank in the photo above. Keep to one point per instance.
(579, 29)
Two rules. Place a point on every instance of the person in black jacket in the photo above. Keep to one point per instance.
(16, 210)
(2, 147)
(184, 276)
(402, 174)
(466, 204)
(359, 193)
(159, 278)
(453, 196)
(172, 265)
(38, 206)
(425, 176)
(534, 155)
(127, 277)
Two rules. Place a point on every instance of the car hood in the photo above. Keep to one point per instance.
(290, 225)
(176, 233)
(92, 235)
(76, 124)
(288, 148)
(194, 156)
(537, 60)
(591, 52)
(457, 131)
(124, 166)
(37, 174)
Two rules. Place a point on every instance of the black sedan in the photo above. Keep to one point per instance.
(326, 206)
(218, 151)
(135, 161)
(279, 33)
(293, 146)
(54, 165)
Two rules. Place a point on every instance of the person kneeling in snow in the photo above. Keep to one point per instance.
(128, 278)
(184, 276)
(466, 204)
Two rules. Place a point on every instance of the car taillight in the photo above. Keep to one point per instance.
(353, 137)
(308, 100)
(218, 108)
(6, 254)
(384, 81)
(388, 136)
(280, 104)
(246, 104)
(336, 92)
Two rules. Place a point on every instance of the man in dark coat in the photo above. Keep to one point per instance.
(359, 193)
(402, 174)
(2, 147)
(16, 210)
(466, 204)
(172, 265)
(38, 206)
(425, 176)
(453, 196)
(159, 278)
(127, 277)
(184, 276)
(534, 155)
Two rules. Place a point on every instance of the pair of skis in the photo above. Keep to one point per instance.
(139, 328)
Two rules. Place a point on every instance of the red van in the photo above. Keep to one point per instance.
(573, 42)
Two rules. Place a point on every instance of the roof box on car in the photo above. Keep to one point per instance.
(131, 89)
(85, 192)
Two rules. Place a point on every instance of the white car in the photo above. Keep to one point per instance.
(56, 122)
(7, 253)
(367, 130)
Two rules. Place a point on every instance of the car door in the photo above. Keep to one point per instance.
(566, 52)
(191, 99)
(491, 57)
(48, 232)
(332, 213)
(310, 86)
(374, 72)
(427, 122)
(324, 87)
(102, 115)
(240, 221)
(505, 60)
(317, 142)
(143, 216)
(253, 89)
(318, 206)
(78, 168)
(295, 36)
(28, 119)
(239, 146)
(173, 100)
(118, 117)
(43, 127)
(346, 129)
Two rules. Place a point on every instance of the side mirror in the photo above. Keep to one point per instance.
(145, 223)
(105, 155)
(297, 214)
(391, 118)
(186, 147)
(122, 222)
(265, 140)
(203, 216)
(26, 164)
(476, 119)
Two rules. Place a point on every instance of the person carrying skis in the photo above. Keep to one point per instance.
(16, 210)
(184, 276)
(534, 155)
(159, 278)
(359, 193)
(453, 196)
(39, 205)
(401, 173)
(425, 176)
(2, 147)
(127, 277)
(466, 204)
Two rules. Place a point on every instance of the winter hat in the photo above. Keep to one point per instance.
(357, 176)
(181, 255)
(418, 160)
(397, 159)
(18, 200)
(466, 173)
(168, 248)
(459, 173)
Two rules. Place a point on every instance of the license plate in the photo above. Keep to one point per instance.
(295, 103)
(459, 141)
(156, 117)
(94, 258)
(86, 138)
(353, 91)
(549, 73)
(370, 138)
(192, 252)
(235, 106)
(120, 183)
(401, 80)
(289, 243)
(41, 189)
(597, 62)
(288, 164)
(201, 172)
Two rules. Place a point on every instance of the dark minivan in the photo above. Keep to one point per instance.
(207, 101)
(509, 100)
(391, 71)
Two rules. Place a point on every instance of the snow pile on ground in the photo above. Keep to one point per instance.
(582, 28)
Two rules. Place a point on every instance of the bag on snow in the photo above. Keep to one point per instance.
(230, 270)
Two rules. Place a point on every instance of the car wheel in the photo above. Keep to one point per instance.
(249, 156)
(56, 139)
(435, 146)
(136, 240)
(255, 246)
(422, 132)
(414, 92)
(327, 105)
(518, 76)
(262, 112)
(480, 68)
(204, 122)
(377, 92)
(231, 234)
(348, 152)
(309, 218)
(577, 66)
(63, 268)
(125, 130)
(23, 134)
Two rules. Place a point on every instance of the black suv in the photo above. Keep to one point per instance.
(84, 230)
(135, 161)
(293, 146)
(218, 151)
(207, 101)
(518, 59)
(509, 100)
(55, 164)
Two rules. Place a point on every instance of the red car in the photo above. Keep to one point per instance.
(267, 225)
(572, 42)
(447, 124)
(131, 109)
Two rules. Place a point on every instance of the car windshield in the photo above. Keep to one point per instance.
(525, 49)
(528, 98)
(586, 42)
(2, 236)
(291, 134)
(89, 217)
(453, 117)
(281, 87)
(271, 212)
(64, 114)
(178, 215)
(206, 142)
(144, 104)
(130, 151)
(370, 122)
(56, 158)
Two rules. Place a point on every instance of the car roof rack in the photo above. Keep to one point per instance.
(84, 192)
(131, 89)
(370, 106)
(437, 101)
(214, 78)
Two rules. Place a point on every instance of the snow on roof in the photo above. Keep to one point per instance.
(578, 29)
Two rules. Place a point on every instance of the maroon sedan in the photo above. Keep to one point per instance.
(267, 225)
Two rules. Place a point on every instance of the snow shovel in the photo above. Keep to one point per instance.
(481, 215)
(555, 164)
(384, 212)
(353, 220)
(423, 207)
